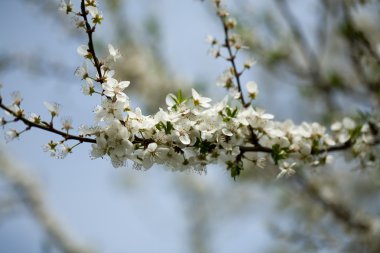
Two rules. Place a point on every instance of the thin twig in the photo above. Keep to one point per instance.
(231, 59)
(335, 148)
(48, 128)
(90, 30)
(301, 41)
(311, 59)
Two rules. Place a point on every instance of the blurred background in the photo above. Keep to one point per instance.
(316, 60)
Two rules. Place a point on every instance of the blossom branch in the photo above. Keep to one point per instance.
(192, 133)
(44, 126)
(229, 24)
(341, 147)
(231, 59)
(90, 30)
(360, 47)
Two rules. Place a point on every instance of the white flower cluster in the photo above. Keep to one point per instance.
(192, 132)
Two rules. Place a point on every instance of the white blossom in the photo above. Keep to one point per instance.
(67, 124)
(286, 169)
(114, 53)
(16, 97)
(51, 148)
(252, 89)
(11, 134)
(211, 40)
(199, 100)
(113, 88)
(53, 108)
(35, 118)
(152, 154)
(88, 88)
(84, 51)
(66, 7)
(109, 111)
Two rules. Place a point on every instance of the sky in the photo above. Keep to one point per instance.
(116, 210)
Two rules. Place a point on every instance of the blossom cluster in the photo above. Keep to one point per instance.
(193, 132)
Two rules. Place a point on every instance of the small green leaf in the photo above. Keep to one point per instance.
(159, 126)
(169, 127)
(180, 97)
(355, 132)
(228, 110)
(235, 167)
(279, 153)
(234, 113)
(204, 146)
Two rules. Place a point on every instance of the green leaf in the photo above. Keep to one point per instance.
(228, 110)
(180, 98)
(169, 127)
(204, 146)
(279, 153)
(159, 126)
(235, 167)
(234, 113)
(355, 132)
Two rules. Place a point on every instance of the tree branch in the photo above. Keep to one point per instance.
(90, 30)
(231, 58)
(46, 127)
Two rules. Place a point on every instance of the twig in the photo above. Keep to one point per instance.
(335, 148)
(90, 30)
(312, 61)
(48, 128)
(359, 44)
(231, 59)
(301, 41)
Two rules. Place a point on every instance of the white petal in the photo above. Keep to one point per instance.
(93, 10)
(170, 100)
(267, 116)
(108, 92)
(349, 123)
(121, 97)
(251, 87)
(227, 132)
(111, 49)
(205, 100)
(185, 139)
(336, 126)
(124, 84)
(112, 81)
(205, 105)
(195, 94)
(82, 50)
(152, 147)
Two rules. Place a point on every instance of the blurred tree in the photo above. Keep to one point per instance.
(329, 50)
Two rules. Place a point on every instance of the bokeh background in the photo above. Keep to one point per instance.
(307, 54)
